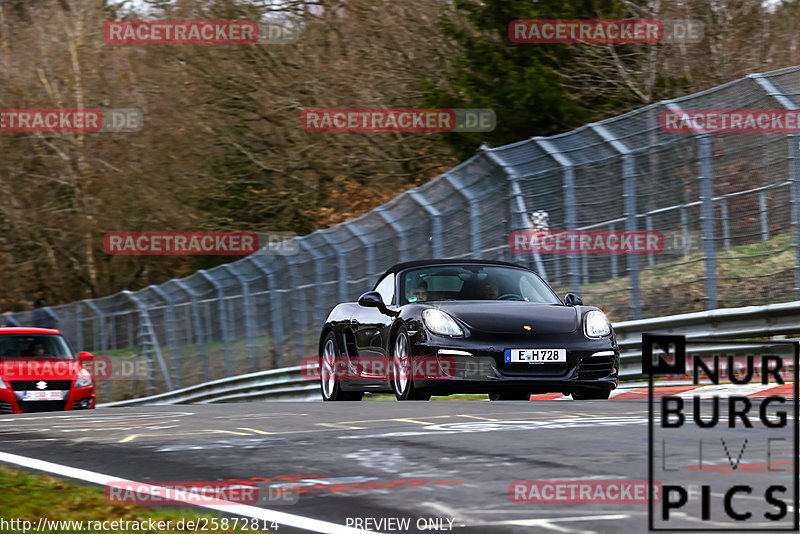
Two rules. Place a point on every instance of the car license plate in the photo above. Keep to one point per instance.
(42, 395)
(536, 355)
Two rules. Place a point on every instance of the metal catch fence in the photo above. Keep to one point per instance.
(726, 204)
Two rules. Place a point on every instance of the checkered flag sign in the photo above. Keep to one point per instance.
(540, 220)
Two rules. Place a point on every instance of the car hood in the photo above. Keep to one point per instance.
(21, 369)
(510, 317)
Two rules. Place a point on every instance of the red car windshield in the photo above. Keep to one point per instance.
(43, 346)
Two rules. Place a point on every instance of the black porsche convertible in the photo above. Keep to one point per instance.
(439, 327)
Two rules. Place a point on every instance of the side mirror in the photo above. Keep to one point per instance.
(85, 357)
(571, 299)
(372, 299)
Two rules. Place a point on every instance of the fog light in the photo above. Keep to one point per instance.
(83, 404)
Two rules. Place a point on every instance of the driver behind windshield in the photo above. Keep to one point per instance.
(489, 290)
(419, 293)
(35, 349)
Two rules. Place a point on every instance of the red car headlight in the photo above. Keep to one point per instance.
(84, 379)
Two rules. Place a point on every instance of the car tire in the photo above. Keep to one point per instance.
(591, 394)
(402, 378)
(330, 388)
(517, 396)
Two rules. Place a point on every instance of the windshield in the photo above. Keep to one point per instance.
(42, 346)
(475, 282)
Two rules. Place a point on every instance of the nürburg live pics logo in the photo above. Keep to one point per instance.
(720, 457)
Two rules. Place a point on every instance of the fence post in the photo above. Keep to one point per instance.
(79, 326)
(726, 229)
(54, 316)
(369, 245)
(707, 218)
(341, 259)
(131, 335)
(198, 326)
(399, 230)
(794, 174)
(13, 321)
(171, 339)
(299, 299)
(275, 311)
(585, 269)
(144, 321)
(762, 208)
(112, 338)
(319, 280)
(685, 230)
(103, 347)
(629, 198)
(248, 314)
(519, 212)
(632, 225)
(436, 216)
(223, 318)
(474, 213)
(614, 268)
(706, 210)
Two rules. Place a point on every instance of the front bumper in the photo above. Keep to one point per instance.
(480, 367)
(77, 399)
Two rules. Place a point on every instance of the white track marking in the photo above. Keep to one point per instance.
(84, 417)
(275, 415)
(282, 518)
(29, 440)
(551, 523)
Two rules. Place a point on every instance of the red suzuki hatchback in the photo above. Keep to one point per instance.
(39, 372)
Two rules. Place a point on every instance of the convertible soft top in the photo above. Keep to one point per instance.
(396, 268)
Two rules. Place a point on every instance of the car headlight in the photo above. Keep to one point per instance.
(595, 324)
(440, 323)
(3, 384)
(84, 379)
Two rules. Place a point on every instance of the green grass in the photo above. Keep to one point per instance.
(752, 274)
(29, 497)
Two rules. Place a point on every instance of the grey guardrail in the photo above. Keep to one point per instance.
(287, 383)
(731, 323)
(728, 323)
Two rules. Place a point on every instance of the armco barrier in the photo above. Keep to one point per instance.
(286, 384)
(728, 323)
(731, 323)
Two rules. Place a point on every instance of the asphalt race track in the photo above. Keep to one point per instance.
(436, 460)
